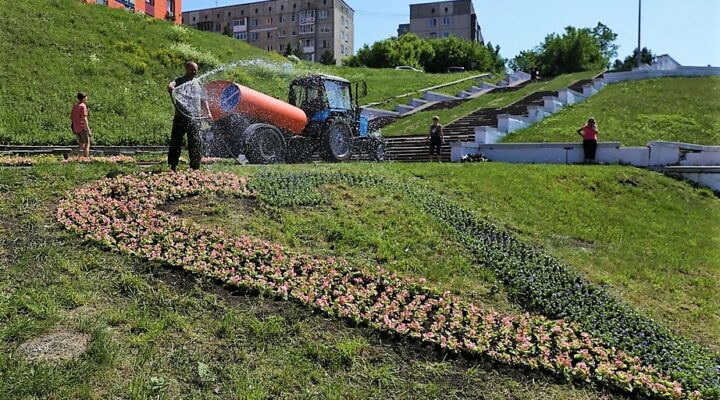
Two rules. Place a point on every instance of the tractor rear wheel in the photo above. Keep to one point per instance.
(264, 144)
(337, 142)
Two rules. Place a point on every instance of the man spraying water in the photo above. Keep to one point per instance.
(191, 107)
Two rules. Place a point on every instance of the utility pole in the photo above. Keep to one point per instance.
(639, 23)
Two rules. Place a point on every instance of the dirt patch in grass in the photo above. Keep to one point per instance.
(61, 345)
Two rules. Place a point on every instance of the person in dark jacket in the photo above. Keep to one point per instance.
(436, 138)
(190, 106)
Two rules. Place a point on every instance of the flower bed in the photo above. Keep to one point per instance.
(16, 161)
(122, 214)
(119, 159)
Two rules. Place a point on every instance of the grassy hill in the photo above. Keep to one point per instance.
(123, 61)
(634, 113)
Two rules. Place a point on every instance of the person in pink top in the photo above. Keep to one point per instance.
(589, 133)
(80, 124)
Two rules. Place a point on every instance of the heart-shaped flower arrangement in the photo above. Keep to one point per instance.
(122, 213)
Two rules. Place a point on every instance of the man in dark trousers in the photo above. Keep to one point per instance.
(190, 107)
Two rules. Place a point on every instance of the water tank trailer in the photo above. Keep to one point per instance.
(321, 116)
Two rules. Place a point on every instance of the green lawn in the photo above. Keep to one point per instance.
(160, 333)
(124, 61)
(157, 332)
(417, 124)
(635, 113)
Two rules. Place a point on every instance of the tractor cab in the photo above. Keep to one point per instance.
(323, 96)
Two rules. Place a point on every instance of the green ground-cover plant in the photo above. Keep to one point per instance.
(417, 124)
(635, 113)
(123, 61)
(158, 334)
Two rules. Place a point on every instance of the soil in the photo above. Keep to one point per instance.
(61, 345)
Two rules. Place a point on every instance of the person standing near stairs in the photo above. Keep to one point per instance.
(589, 133)
(436, 138)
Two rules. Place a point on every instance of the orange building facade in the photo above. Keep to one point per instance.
(170, 10)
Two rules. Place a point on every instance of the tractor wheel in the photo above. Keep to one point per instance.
(337, 142)
(264, 144)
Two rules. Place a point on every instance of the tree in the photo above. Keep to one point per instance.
(606, 40)
(525, 60)
(327, 58)
(433, 55)
(227, 30)
(630, 62)
(574, 51)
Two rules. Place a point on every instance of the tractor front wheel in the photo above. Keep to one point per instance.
(264, 144)
(338, 142)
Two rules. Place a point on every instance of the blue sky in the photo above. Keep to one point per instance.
(688, 30)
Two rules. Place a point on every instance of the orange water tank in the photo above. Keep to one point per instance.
(227, 97)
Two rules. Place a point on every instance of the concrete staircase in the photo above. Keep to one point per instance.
(415, 148)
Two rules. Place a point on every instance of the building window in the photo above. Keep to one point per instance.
(269, 21)
(254, 37)
(309, 43)
(282, 47)
(446, 9)
(282, 34)
(239, 22)
(269, 35)
(151, 2)
(282, 19)
(322, 14)
(240, 35)
(446, 21)
(433, 22)
(432, 35)
(294, 32)
(304, 29)
(342, 49)
(255, 22)
(171, 6)
(324, 29)
(270, 48)
(446, 34)
(292, 17)
(217, 27)
(307, 17)
(193, 19)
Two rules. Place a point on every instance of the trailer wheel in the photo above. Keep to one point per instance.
(337, 142)
(264, 144)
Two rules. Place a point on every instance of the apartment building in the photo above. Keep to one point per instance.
(170, 10)
(444, 19)
(314, 25)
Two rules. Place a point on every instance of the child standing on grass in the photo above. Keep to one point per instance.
(589, 133)
(80, 124)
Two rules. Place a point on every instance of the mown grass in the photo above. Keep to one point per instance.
(160, 333)
(123, 61)
(417, 124)
(635, 113)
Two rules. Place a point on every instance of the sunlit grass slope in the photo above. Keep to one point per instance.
(53, 49)
(634, 113)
